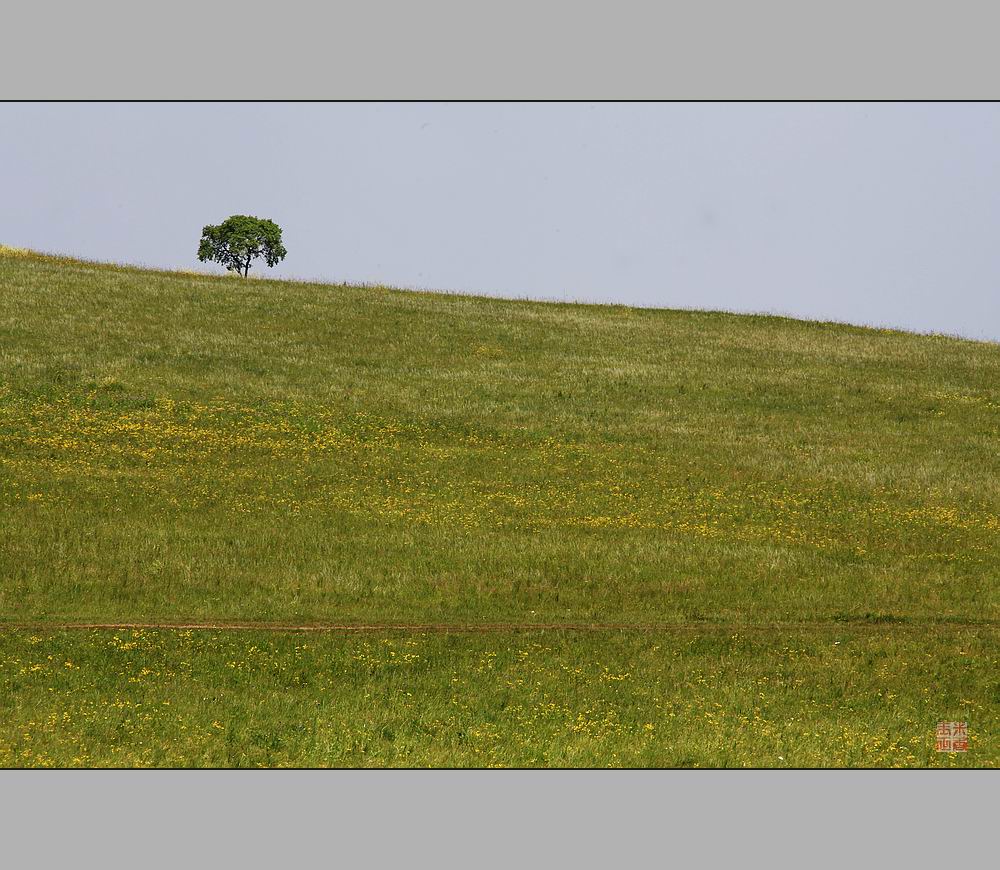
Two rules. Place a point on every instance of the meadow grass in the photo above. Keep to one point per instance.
(176, 447)
(804, 698)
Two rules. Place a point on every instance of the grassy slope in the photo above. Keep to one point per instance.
(178, 447)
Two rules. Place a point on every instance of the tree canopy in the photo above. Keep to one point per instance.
(239, 240)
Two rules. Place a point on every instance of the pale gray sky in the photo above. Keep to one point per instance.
(871, 213)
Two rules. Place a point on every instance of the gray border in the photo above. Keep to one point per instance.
(494, 818)
(464, 49)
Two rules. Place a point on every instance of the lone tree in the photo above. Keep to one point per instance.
(239, 240)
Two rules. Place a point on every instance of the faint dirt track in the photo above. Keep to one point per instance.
(505, 627)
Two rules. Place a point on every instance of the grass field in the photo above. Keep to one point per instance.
(794, 527)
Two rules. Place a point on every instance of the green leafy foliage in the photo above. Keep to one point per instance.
(239, 240)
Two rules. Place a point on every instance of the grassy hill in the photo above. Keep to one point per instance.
(787, 531)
